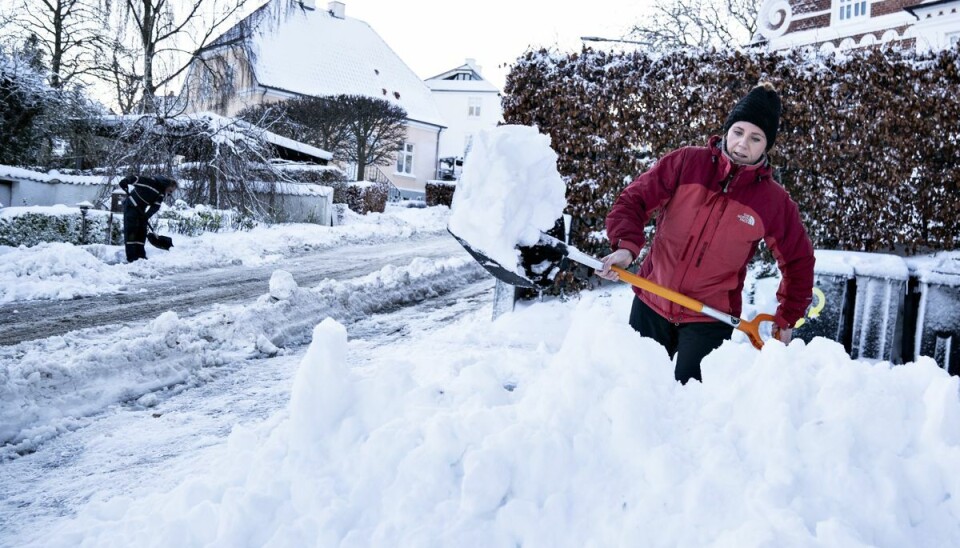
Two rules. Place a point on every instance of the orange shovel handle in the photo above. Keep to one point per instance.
(750, 327)
(657, 289)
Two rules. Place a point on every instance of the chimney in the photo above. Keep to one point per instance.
(472, 63)
(337, 9)
(309, 4)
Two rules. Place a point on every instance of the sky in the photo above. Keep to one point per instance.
(391, 409)
(433, 36)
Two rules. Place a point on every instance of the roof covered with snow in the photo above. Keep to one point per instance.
(53, 176)
(311, 52)
(466, 77)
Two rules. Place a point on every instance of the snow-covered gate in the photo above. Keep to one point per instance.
(885, 307)
(934, 328)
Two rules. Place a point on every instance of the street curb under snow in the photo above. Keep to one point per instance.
(49, 386)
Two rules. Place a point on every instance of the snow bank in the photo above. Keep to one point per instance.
(509, 192)
(56, 271)
(538, 431)
(50, 385)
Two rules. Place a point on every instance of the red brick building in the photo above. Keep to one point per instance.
(848, 24)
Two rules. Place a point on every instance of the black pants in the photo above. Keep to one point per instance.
(689, 341)
(134, 233)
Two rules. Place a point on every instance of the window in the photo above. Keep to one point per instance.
(852, 9)
(473, 106)
(405, 159)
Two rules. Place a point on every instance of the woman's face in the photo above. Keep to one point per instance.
(746, 143)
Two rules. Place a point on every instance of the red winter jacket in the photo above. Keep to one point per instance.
(712, 215)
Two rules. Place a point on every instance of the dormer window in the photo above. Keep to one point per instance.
(852, 9)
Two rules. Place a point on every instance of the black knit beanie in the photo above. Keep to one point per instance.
(760, 107)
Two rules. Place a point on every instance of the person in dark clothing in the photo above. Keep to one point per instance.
(714, 205)
(144, 196)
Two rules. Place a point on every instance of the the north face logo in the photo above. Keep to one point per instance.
(747, 218)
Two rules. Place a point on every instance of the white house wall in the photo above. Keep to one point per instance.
(932, 31)
(424, 139)
(303, 209)
(35, 193)
(454, 106)
(935, 28)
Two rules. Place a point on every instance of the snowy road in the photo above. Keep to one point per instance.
(129, 449)
(186, 292)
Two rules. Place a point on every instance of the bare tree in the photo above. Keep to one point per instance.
(69, 32)
(697, 23)
(165, 37)
(376, 130)
(225, 162)
(316, 121)
(359, 129)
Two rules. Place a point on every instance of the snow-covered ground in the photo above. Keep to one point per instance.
(553, 425)
(557, 425)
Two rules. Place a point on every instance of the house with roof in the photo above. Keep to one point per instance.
(469, 103)
(311, 51)
(831, 25)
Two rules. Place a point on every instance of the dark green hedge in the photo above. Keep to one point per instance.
(55, 224)
(439, 193)
(869, 144)
(361, 197)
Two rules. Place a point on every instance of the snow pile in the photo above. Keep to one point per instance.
(282, 285)
(50, 385)
(509, 192)
(538, 431)
(55, 271)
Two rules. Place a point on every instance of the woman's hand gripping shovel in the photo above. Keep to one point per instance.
(750, 327)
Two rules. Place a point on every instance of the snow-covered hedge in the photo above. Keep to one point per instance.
(361, 196)
(196, 220)
(30, 226)
(869, 144)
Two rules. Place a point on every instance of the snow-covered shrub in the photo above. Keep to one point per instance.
(41, 125)
(439, 192)
(200, 219)
(30, 226)
(361, 196)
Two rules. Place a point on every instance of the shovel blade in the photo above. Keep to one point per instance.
(160, 242)
(500, 272)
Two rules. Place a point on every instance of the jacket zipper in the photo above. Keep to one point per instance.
(703, 249)
(724, 186)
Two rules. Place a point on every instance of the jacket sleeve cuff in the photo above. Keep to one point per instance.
(782, 322)
(629, 246)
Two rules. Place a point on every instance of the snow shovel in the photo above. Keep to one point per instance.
(750, 327)
(160, 242)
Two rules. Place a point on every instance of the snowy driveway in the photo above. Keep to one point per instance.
(188, 292)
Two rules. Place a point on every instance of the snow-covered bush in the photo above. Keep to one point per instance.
(30, 226)
(41, 125)
(200, 219)
(439, 192)
(361, 196)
